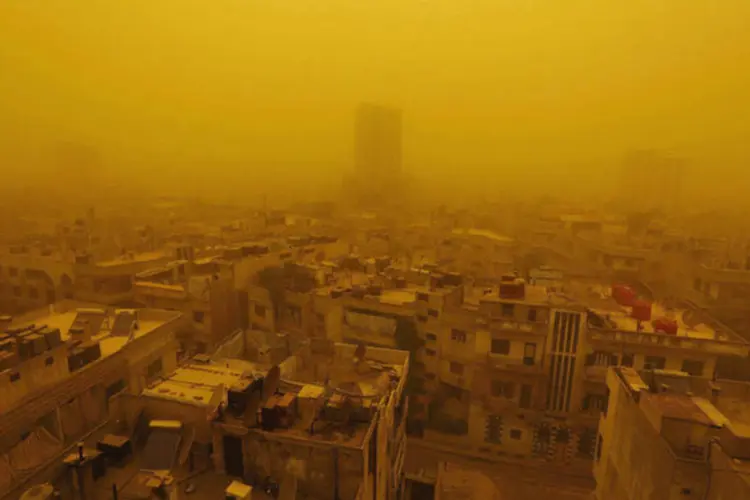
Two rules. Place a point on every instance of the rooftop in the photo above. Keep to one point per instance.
(138, 258)
(484, 233)
(64, 314)
(200, 384)
(599, 299)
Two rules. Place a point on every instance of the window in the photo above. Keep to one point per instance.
(494, 429)
(496, 388)
(429, 376)
(115, 388)
(15, 376)
(599, 448)
(516, 434)
(430, 352)
(457, 368)
(525, 399)
(529, 353)
(500, 346)
(693, 367)
(562, 436)
(532, 314)
(198, 316)
(502, 389)
(655, 362)
(49, 361)
(33, 293)
(432, 312)
(422, 319)
(154, 369)
(507, 310)
(430, 336)
(627, 360)
(422, 296)
(458, 335)
(260, 310)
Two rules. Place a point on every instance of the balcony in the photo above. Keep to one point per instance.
(517, 365)
(500, 324)
(645, 339)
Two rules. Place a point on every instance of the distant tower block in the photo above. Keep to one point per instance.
(378, 140)
(377, 154)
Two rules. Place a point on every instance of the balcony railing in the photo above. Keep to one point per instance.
(506, 325)
(713, 346)
(519, 365)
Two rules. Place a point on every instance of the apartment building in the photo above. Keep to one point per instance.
(60, 367)
(328, 422)
(203, 290)
(110, 281)
(668, 435)
(480, 253)
(513, 371)
(33, 277)
(723, 291)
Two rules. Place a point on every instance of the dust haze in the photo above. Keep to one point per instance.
(498, 96)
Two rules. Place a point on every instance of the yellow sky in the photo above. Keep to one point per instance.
(490, 87)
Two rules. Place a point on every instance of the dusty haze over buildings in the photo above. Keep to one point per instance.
(515, 92)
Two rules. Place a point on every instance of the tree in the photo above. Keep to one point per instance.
(273, 279)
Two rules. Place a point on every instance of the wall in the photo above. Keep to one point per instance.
(35, 374)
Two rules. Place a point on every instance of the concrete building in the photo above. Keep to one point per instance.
(666, 435)
(510, 372)
(61, 366)
(340, 416)
(33, 277)
(203, 290)
(377, 175)
(110, 281)
(329, 422)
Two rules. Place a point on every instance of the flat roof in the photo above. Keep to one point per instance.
(62, 316)
(140, 258)
(192, 394)
(484, 233)
(678, 406)
(533, 294)
(598, 298)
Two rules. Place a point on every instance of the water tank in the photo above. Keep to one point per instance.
(665, 325)
(641, 310)
(623, 295)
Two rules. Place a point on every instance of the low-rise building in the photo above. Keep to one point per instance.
(60, 368)
(338, 414)
(668, 435)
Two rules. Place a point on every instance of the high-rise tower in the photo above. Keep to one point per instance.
(377, 173)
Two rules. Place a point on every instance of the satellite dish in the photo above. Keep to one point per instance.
(271, 382)
(360, 352)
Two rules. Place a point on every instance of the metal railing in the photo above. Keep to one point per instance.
(714, 346)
